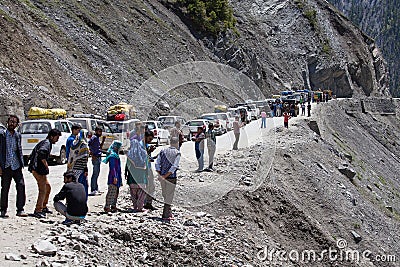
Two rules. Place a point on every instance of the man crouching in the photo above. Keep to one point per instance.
(75, 208)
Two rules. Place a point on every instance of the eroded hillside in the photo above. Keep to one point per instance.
(87, 55)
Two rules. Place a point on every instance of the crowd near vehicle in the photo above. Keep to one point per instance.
(121, 120)
(33, 131)
(90, 122)
(121, 131)
(168, 122)
(195, 124)
(217, 121)
(161, 135)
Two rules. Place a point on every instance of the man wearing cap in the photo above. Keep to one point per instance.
(75, 208)
(75, 131)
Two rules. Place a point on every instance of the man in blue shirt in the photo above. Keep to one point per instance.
(11, 164)
(75, 131)
(95, 151)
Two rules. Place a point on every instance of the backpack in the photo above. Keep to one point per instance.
(32, 163)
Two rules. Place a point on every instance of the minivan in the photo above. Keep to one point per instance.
(34, 131)
(121, 130)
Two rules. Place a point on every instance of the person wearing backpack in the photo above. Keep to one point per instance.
(39, 167)
(11, 164)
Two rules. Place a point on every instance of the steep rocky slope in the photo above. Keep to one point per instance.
(379, 19)
(87, 55)
(306, 204)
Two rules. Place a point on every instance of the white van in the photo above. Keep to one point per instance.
(33, 131)
(121, 131)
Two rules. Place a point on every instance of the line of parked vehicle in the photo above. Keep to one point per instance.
(34, 130)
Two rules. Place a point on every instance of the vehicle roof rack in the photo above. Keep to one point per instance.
(90, 116)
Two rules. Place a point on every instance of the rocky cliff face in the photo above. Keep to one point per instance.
(379, 19)
(87, 55)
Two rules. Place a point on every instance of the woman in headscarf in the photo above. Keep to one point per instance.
(78, 158)
(114, 176)
(137, 164)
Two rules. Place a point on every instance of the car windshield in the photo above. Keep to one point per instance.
(117, 127)
(36, 127)
(196, 123)
(151, 125)
(81, 122)
(222, 116)
(209, 117)
(167, 120)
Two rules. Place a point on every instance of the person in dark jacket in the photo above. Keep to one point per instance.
(40, 169)
(11, 164)
(75, 207)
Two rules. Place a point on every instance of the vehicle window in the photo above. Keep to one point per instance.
(65, 127)
(93, 124)
(167, 120)
(212, 117)
(57, 125)
(107, 128)
(116, 127)
(81, 122)
(35, 127)
(195, 123)
(151, 125)
(158, 125)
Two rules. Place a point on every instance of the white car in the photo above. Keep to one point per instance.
(121, 130)
(219, 123)
(194, 124)
(161, 135)
(33, 131)
(227, 120)
(2, 127)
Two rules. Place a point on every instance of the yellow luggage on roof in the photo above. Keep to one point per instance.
(45, 113)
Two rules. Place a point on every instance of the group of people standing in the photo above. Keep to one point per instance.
(138, 169)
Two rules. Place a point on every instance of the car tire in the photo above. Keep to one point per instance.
(62, 159)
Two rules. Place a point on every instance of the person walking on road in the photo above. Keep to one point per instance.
(236, 132)
(263, 119)
(166, 165)
(136, 170)
(114, 176)
(95, 151)
(38, 165)
(75, 207)
(199, 147)
(309, 109)
(11, 164)
(211, 146)
(75, 131)
(286, 117)
(303, 109)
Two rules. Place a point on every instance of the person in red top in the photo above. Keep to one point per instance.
(286, 118)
